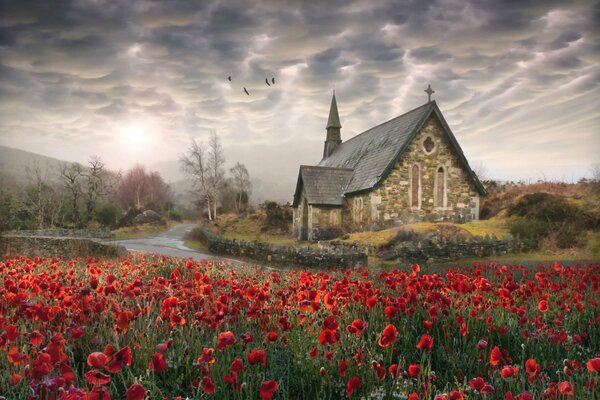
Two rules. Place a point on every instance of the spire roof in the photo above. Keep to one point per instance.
(334, 117)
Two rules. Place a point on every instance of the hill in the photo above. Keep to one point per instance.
(14, 164)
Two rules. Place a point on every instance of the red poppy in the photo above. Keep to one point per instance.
(207, 356)
(413, 396)
(565, 387)
(15, 356)
(15, 379)
(353, 384)
(477, 383)
(413, 370)
(272, 336)
(163, 347)
(208, 385)
(543, 306)
(426, 343)
(456, 395)
(496, 357)
(343, 367)
(509, 371)
(157, 363)
(257, 356)
(135, 392)
(237, 365)
(121, 359)
(388, 336)
(328, 336)
(593, 364)
(99, 393)
(314, 352)
(532, 367)
(35, 338)
(268, 389)
(97, 359)
(356, 327)
(96, 377)
(226, 339)
(247, 337)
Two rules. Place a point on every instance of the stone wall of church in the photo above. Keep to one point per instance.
(323, 222)
(460, 200)
(392, 201)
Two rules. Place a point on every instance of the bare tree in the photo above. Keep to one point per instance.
(241, 180)
(195, 165)
(71, 176)
(40, 200)
(216, 161)
(98, 182)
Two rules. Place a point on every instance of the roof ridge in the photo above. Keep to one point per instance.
(320, 167)
(390, 120)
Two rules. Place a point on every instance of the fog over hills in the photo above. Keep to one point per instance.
(15, 163)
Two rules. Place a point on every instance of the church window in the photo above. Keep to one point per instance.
(415, 186)
(428, 145)
(440, 187)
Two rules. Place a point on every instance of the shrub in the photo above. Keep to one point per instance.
(277, 216)
(107, 214)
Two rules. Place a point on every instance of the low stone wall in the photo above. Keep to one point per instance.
(65, 247)
(103, 233)
(285, 255)
(438, 248)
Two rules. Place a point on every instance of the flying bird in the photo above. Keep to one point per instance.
(267, 81)
(273, 80)
(246, 91)
(229, 78)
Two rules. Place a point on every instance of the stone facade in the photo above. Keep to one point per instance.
(325, 222)
(443, 192)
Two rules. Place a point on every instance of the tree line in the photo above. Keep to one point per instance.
(204, 164)
(76, 196)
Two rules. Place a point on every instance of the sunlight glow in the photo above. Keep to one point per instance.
(135, 135)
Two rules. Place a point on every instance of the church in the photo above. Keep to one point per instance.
(408, 169)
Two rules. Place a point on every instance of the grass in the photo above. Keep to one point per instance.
(482, 227)
(140, 231)
(250, 229)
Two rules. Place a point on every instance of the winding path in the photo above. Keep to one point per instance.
(169, 243)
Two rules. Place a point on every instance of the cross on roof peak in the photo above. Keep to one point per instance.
(429, 92)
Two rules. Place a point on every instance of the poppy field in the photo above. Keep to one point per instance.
(161, 328)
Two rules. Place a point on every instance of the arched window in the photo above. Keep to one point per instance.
(439, 197)
(415, 186)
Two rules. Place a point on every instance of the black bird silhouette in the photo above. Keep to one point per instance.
(229, 78)
(246, 91)
(273, 80)
(267, 81)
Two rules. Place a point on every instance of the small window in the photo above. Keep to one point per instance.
(428, 145)
(440, 187)
(414, 199)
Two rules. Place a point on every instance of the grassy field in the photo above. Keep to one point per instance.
(139, 231)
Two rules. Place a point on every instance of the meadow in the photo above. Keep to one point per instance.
(160, 328)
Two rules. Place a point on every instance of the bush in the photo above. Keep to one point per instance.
(197, 234)
(277, 216)
(107, 214)
(548, 218)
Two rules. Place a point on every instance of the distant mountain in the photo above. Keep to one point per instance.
(15, 163)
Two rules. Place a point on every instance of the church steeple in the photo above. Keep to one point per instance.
(334, 136)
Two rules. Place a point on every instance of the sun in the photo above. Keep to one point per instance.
(135, 135)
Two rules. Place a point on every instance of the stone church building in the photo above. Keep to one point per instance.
(408, 169)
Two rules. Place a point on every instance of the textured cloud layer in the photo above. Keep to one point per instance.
(136, 80)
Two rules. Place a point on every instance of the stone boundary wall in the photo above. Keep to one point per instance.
(438, 248)
(103, 233)
(285, 255)
(65, 247)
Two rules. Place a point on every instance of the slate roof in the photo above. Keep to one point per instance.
(373, 153)
(323, 185)
(364, 161)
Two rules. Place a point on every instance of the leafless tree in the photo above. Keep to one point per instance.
(98, 182)
(195, 165)
(71, 176)
(216, 174)
(40, 200)
(241, 180)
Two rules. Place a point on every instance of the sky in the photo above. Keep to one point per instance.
(135, 81)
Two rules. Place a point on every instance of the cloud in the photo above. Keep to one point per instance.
(514, 80)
